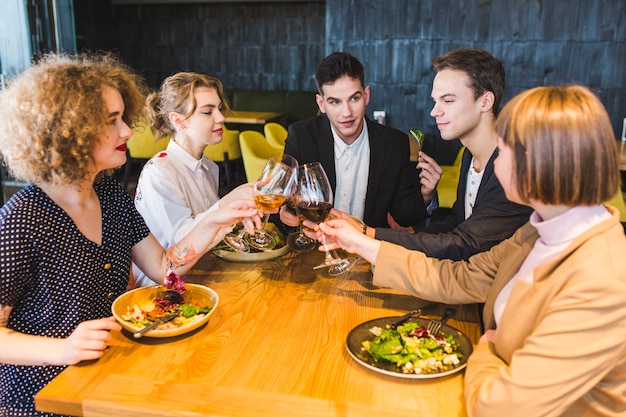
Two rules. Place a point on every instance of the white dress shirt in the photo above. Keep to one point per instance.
(175, 192)
(473, 184)
(352, 168)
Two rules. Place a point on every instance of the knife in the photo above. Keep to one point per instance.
(412, 313)
(169, 317)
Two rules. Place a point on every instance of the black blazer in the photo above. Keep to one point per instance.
(393, 184)
(494, 218)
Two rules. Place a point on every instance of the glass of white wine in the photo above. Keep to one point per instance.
(277, 182)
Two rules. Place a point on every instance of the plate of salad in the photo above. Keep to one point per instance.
(408, 351)
(224, 251)
(190, 307)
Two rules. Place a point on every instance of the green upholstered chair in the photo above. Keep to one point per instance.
(255, 150)
(225, 153)
(275, 134)
(141, 147)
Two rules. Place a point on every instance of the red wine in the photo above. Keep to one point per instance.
(291, 206)
(316, 212)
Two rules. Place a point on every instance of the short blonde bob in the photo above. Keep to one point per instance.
(177, 96)
(53, 114)
(565, 152)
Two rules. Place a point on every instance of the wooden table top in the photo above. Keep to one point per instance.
(274, 346)
(252, 117)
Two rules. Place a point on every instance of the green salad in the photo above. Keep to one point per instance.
(413, 349)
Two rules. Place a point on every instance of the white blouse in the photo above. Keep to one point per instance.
(175, 192)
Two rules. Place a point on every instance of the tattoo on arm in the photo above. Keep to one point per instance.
(5, 311)
(180, 255)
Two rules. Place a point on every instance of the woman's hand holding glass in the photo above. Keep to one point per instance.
(341, 234)
(270, 191)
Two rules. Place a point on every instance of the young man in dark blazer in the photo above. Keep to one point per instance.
(367, 163)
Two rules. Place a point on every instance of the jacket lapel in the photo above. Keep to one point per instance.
(377, 156)
(326, 146)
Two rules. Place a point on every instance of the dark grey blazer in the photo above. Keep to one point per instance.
(494, 218)
(393, 184)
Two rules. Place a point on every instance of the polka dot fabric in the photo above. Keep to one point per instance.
(55, 278)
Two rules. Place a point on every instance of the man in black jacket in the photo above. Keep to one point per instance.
(467, 91)
(367, 163)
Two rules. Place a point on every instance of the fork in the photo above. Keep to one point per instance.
(434, 326)
(410, 314)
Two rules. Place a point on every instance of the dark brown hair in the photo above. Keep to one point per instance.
(485, 72)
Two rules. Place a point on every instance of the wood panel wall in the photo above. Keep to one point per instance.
(276, 45)
(540, 43)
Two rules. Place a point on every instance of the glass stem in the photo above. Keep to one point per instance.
(329, 258)
(266, 218)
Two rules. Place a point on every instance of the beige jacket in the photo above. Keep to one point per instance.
(560, 348)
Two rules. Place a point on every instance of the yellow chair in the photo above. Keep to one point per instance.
(446, 189)
(142, 146)
(255, 151)
(225, 152)
(275, 134)
(618, 202)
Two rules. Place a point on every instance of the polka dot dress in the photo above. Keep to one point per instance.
(55, 278)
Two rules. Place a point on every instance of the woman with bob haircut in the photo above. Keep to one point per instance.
(554, 292)
(68, 238)
(178, 187)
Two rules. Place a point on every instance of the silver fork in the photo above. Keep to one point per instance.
(434, 326)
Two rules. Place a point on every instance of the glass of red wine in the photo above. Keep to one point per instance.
(314, 199)
(298, 241)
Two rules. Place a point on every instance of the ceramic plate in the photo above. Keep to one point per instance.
(194, 294)
(231, 255)
(251, 257)
(362, 333)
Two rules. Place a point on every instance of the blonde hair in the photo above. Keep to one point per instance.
(53, 114)
(177, 96)
(564, 148)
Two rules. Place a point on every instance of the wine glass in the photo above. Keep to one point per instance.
(277, 182)
(298, 241)
(314, 199)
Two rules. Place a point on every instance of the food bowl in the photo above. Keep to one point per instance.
(194, 294)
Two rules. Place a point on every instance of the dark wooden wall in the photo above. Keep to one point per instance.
(259, 46)
(276, 45)
(540, 43)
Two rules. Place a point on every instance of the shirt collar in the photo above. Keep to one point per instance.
(181, 154)
(341, 147)
(570, 224)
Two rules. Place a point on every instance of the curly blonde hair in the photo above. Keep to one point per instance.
(177, 96)
(53, 114)
(564, 148)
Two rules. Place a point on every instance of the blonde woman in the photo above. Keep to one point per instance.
(68, 238)
(555, 292)
(178, 188)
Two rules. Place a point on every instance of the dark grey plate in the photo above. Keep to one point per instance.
(362, 333)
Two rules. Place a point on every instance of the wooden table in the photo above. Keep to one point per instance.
(252, 117)
(275, 346)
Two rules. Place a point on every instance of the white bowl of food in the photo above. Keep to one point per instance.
(141, 307)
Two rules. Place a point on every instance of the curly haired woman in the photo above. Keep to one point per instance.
(67, 239)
